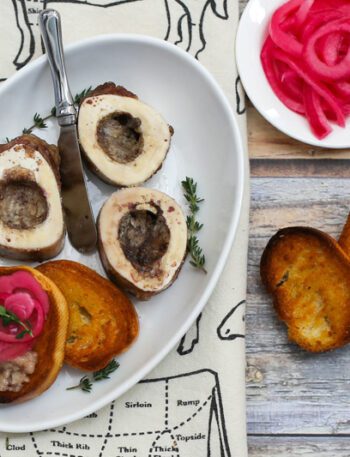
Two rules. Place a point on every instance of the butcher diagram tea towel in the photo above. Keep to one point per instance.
(193, 403)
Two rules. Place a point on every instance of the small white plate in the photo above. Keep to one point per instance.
(206, 146)
(251, 35)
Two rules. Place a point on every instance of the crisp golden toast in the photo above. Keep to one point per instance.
(49, 345)
(102, 320)
(308, 274)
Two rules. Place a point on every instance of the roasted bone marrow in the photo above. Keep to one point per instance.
(124, 141)
(142, 240)
(31, 216)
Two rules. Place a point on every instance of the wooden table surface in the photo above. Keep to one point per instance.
(297, 404)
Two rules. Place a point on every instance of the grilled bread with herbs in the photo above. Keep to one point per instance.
(102, 320)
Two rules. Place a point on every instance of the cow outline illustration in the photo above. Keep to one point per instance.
(230, 327)
(190, 339)
(185, 25)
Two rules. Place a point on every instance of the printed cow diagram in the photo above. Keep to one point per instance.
(183, 21)
(167, 420)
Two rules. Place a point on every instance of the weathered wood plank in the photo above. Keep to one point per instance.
(332, 168)
(288, 390)
(298, 446)
(265, 141)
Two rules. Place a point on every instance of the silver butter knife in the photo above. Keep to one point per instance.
(79, 218)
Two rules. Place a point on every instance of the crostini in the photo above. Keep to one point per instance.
(102, 320)
(33, 331)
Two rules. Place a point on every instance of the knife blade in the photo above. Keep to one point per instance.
(79, 218)
(80, 222)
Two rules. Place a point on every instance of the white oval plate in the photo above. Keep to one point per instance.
(251, 35)
(206, 146)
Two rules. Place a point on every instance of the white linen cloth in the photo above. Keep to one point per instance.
(193, 403)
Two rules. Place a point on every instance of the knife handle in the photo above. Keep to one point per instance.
(50, 26)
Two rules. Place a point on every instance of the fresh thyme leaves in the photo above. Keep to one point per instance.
(9, 318)
(85, 383)
(84, 93)
(39, 122)
(198, 258)
(106, 371)
(190, 193)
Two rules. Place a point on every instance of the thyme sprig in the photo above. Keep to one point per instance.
(81, 95)
(189, 187)
(8, 318)
(106, 371)
(39, 122)
(86, 382)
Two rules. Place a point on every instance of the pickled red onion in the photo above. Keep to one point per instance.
(22, 295)
(9, 351)
(306, 59)
(288, 43)
(326, 72)
(315, 114)
(24, 280)
(21, 304)
(302, 13)
(276, 83)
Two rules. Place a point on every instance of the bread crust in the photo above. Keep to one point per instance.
(103, 321)
(50, 344)
(308, 275)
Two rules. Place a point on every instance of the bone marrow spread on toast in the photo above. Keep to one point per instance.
(123, 140)
(31, 217)
(33, 328)
(142, 240)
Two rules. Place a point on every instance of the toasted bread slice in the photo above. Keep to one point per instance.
(102, 320)
(49, 345)
(344, 239)
(308, 275)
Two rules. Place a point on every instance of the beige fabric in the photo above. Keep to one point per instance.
(193, 403)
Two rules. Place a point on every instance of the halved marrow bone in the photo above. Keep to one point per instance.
(31, 217)
(142, 240)
(123, 140)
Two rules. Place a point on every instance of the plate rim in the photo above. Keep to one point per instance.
(232, 227)
(239, 48)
